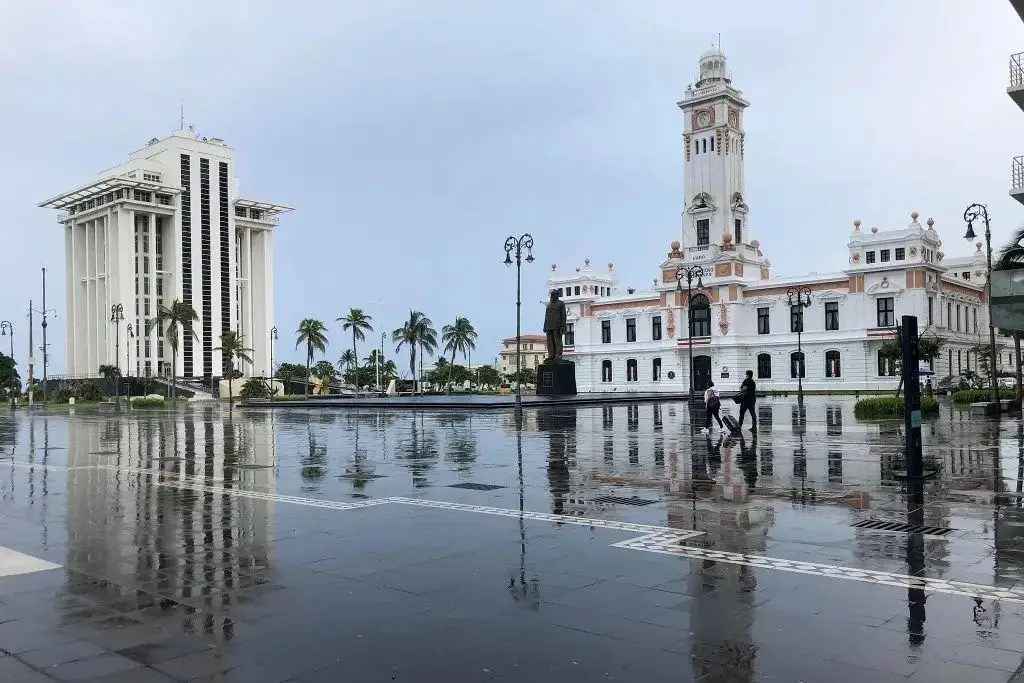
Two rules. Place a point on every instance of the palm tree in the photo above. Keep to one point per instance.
(418, 334)
(313, 334)
(232, 346)
(109, 372)
(348, 359)
(179, 315)
(325, 372)
(360, 324)
(458, 337)
(1011, 257)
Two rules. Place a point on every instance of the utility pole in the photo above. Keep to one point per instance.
(31, 358)
(46, 348)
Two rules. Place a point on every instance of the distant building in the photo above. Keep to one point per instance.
(167, 224)
(534, 350)
(739, 314)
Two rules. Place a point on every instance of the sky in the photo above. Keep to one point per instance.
(414, 136)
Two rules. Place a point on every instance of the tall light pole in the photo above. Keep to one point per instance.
(516, 245)
(690, 274)
(46, 347)
(116, 318)
(380, 355)
(128, 357)
(799, 297)
(7, 328)
(273, 338)
(970, 215)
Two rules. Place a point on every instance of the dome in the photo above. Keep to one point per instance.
(712, 52)
(712, 66)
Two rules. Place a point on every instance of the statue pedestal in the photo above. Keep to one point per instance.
(556, 378)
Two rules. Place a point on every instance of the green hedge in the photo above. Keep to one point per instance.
(146, 402)
(962, 398)
(890, 407)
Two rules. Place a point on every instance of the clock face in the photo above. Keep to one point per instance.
(734, 118)
(704, 118)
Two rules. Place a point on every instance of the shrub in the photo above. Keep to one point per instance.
(962, 398)
(257, 387)
(148, 402)
(882, 407)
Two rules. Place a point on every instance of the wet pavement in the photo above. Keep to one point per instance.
(597, 543)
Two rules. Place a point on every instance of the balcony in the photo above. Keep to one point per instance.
(1017, 179)
(1016, 88)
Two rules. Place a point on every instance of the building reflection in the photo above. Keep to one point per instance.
(176, 552)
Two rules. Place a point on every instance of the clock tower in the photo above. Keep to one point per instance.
(713, 146)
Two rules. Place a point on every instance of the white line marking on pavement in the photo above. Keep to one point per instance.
(13, 563)
(666, 545)
(677, 534)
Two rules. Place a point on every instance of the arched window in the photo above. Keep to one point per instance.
(796, 364)
(764, 365)
(832, 364)
(656, 369)
(700, 316)
(886, 367)
(606, 371)
(712, 144)
(704, 145)
(696, 146)
(631, 374)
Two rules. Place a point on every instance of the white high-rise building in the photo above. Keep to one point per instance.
(168, 224)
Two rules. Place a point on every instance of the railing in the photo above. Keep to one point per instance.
(1017, 173)
(1017, 70)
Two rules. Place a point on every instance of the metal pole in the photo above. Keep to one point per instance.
(689, 331)
(800, 357)
(46, 348)
(116, 316)
(128, 362)
(7, 328)
(31, 361)
(383, 338)
(991, 329)
(513, 244)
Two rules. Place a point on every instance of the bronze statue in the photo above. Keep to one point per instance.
(554, 325)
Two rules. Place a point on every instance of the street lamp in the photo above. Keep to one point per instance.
(514, 245)
(128, 357)
(7, 328)
(380, 355)
(972, 213)
(799, 297)
(273, 338)
(116, 317)
(690, 274)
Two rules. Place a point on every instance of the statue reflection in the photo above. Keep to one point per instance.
(560, 425)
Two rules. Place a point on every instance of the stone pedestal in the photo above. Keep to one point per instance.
(556, 378)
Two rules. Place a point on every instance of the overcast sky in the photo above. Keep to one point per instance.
(413, 136)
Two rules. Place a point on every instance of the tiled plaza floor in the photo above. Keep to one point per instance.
(594, 544)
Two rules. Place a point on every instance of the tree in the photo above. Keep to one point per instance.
(360, 323)
(178, 317)
(345, 364)
(325, 372)
(313, 334)
(488, 375)
(292, 372)
(109, 372)
(526, 376)
(929, 345)
(458, 337)
(1011, 257)
(232, 346)
(10, 380)
(418, 334)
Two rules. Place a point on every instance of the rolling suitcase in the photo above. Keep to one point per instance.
(731, 423)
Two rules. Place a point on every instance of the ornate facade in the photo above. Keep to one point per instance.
(739, 313)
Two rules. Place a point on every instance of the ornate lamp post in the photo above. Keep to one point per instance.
(273, 338)
(690, 274)
(7, 328)
(376, 361)
(972, 213)
(116, 317)
(128, 359)
(799, 297)
(516, 245)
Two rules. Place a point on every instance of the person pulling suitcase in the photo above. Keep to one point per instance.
(712, 407)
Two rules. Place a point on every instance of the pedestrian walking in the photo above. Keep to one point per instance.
(712, 406)
(748, 391)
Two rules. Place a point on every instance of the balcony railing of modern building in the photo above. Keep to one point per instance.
(1016, 87)
(1017, 179)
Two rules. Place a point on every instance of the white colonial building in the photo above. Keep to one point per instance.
(167, 224)
(740, 315)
